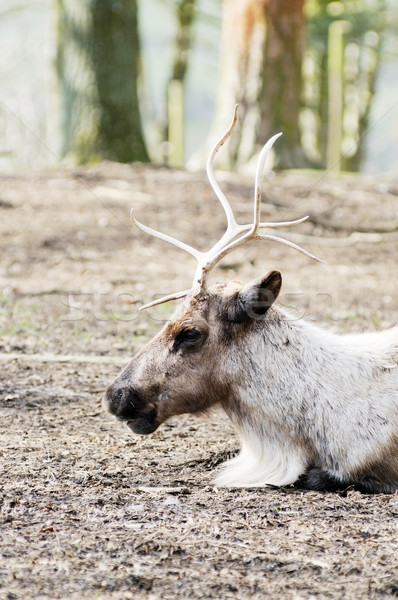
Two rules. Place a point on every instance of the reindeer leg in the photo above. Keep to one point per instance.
(319, 480)
(322, 481)
(372, 486)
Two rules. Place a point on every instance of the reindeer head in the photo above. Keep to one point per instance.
(193, 363)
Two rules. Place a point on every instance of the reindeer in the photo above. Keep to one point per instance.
(311, 408)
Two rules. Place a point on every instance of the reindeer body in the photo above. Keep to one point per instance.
(308, 405)
(315, 400)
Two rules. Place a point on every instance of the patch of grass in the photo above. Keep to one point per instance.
(18, 316)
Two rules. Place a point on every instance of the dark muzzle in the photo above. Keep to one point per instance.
(127, 404)
(123, 402)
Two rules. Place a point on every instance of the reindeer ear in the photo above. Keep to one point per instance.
(254, 299)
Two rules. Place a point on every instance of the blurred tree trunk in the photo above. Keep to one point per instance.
(98, 64)
(174, 131)
(242, 45)
(185, 16)
(281, 83)
(262, 53)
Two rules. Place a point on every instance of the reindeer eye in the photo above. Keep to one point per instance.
(187, 337)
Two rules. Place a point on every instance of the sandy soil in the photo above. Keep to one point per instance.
(88, 510)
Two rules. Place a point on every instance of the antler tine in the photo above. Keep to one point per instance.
(164, 299)
(166, 238)
(214, 260)
(259, 175)
(275, 238)
(210, 173)
(283, 223)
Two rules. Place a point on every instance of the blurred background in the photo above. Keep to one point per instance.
(156, 81)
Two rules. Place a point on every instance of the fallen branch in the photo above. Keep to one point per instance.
(63, 358)
(326, 224)
(356, 237)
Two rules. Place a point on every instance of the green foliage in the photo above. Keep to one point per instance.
(362, 17)
(364, 23)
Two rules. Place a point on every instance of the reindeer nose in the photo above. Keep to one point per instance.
(122, 401)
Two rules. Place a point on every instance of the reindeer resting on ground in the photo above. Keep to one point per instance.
(309, 406)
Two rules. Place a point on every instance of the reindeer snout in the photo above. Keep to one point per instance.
(123, 401)
(127, 404)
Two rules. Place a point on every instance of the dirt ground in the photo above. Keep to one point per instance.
(90, 510)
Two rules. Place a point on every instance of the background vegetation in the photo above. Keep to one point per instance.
(154, 80)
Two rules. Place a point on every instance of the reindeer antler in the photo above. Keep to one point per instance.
(235, 235)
